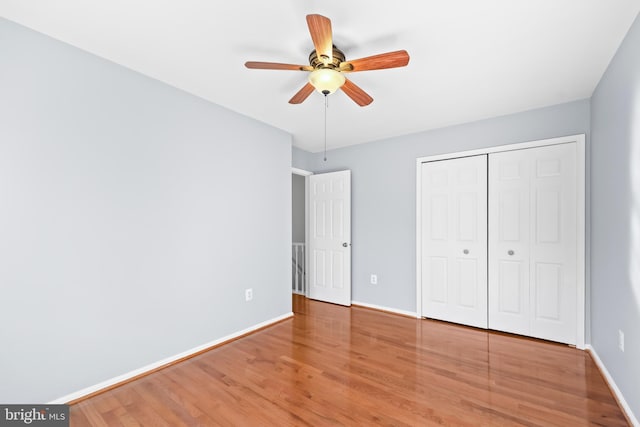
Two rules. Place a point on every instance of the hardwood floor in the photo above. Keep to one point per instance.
(332, 365)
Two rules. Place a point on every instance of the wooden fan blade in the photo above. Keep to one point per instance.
(354, 92)
(276, 66)
(302, 94)
(320, 29)
(399, 58)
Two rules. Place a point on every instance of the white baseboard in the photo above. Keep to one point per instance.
(613, 386)
(389, 309)
(159, 364)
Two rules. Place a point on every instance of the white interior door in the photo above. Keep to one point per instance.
(454, 240)
(330, 237)
(532, 242)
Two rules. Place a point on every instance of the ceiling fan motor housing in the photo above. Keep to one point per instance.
(323, 62)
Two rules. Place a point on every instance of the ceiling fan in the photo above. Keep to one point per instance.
(328, 65)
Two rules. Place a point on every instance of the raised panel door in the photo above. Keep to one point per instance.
(454, 224)
(532, 242)
(330, 237)
(553, 246)
(508, 284)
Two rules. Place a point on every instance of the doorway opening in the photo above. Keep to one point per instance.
(299, 231)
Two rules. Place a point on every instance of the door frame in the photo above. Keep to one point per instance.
(581, 284)
(306, 174)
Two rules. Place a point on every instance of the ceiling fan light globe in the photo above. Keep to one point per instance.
(326, 80)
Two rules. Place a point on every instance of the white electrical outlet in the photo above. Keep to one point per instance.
(374, 279)
(248, 294)
(621, 340)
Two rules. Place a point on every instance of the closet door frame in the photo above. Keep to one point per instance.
(579, 140)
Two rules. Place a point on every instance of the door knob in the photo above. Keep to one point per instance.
(466, 251)
(510, 252)
(345, 244)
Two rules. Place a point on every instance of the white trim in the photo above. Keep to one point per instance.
(419, 237)
(159, 364)
(579, 140)
(612, 385)
(580, 242)
(387, 309)
(302, 172)
(306, 235)
(502, 148)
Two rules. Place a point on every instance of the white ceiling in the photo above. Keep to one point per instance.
(470, 59)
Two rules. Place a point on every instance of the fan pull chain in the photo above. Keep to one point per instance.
(326, 104)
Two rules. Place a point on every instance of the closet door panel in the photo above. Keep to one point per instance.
(454, 224)
(532, 242)
(509, 238)
(553, 248)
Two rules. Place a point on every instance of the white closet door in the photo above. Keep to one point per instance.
(509, 207)
(553, 244)
(532, 242)
(454, 240)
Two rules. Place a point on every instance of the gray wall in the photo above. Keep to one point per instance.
(297, 208)
(130, 211)
(615, 223)
(384, 191)
(301, 159)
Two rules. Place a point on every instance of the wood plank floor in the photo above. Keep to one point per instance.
(333, 365)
